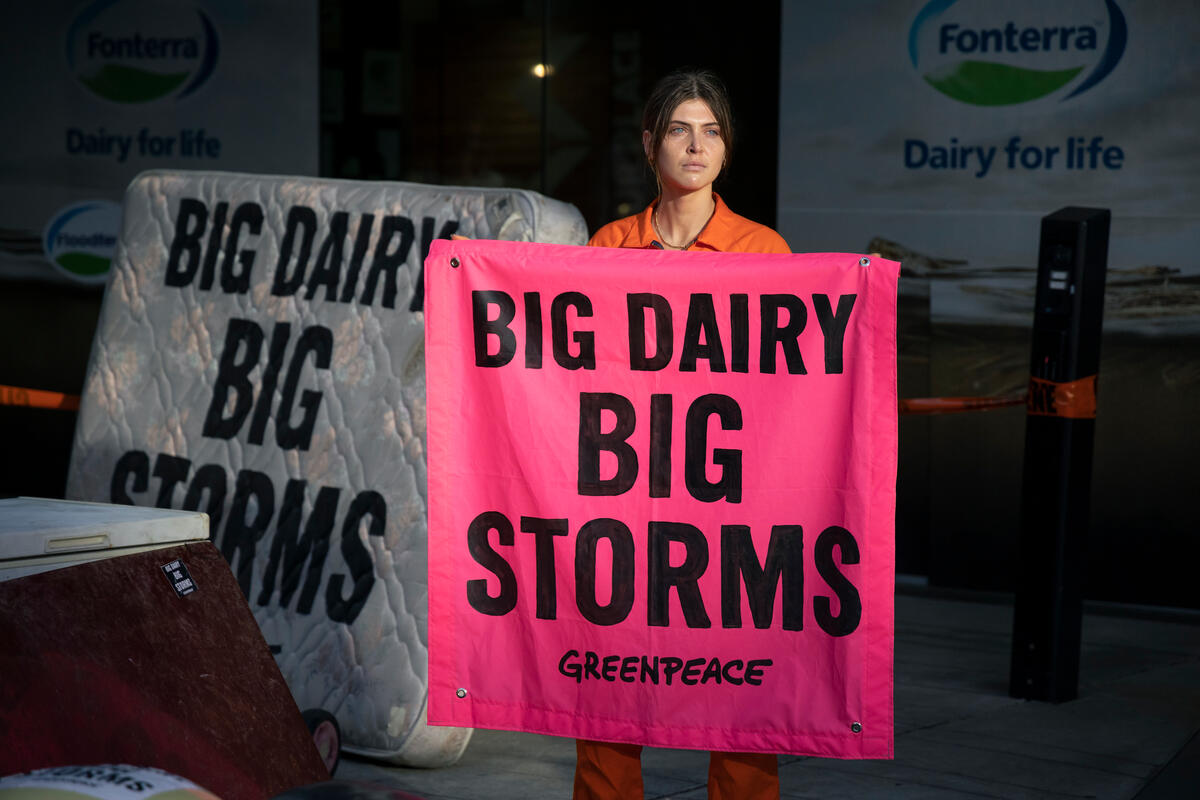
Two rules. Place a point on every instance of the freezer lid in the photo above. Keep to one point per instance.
(33, 527)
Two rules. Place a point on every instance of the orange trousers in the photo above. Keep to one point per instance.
(609, 771)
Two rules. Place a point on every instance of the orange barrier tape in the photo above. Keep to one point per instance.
(957, 405)
(1072, 399)
(36, 398)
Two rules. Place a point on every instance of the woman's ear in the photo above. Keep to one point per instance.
(646, 136)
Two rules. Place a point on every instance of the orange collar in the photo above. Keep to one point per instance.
(716, 232)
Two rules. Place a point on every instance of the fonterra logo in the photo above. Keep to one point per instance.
(128, 51)
(79, 240)
(997, 54)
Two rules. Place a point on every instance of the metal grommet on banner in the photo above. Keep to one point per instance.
(461, 693)
(454, 263)
(864, 262)
(856, 727)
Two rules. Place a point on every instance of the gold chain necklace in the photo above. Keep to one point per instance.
(692, 241)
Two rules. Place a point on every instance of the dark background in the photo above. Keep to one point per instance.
(470, 112)
(444, 93)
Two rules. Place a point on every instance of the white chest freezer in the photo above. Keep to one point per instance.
(37, 534)
(125, 639)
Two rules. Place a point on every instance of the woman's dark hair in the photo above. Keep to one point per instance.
(679, 87)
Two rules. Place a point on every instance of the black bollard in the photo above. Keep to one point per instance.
(1059, 431)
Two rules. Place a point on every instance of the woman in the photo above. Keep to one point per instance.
(687, 135)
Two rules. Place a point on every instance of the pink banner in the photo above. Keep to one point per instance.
(662, 495)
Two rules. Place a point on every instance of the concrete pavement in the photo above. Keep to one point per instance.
(1132, 733)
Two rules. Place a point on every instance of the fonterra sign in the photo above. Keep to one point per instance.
(136, 52)
(987, 53)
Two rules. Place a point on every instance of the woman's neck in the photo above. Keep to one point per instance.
(680, 217)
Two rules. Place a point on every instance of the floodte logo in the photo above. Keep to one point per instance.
(999, 54)
(80, 239)
(138, 51)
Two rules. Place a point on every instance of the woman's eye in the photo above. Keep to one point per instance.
(713, 132)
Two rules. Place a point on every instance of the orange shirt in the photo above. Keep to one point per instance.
(725, 232)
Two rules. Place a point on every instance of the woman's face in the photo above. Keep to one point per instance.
(692, 153)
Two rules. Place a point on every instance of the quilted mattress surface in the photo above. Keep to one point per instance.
(259, 357)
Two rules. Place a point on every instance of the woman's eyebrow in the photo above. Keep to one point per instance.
(712, 124)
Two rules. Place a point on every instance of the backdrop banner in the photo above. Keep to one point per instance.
(662, 495)
(109, 89)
